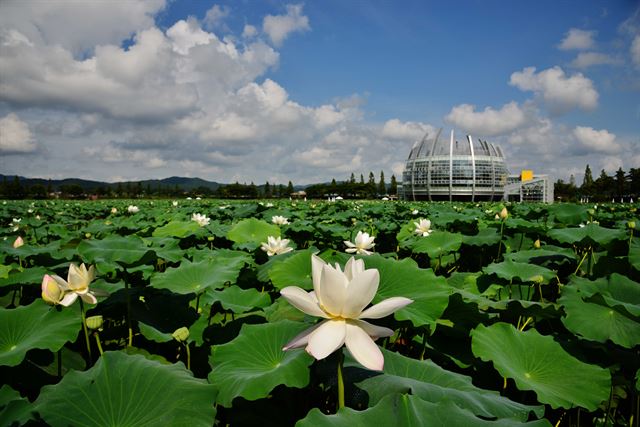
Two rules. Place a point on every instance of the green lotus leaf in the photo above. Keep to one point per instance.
(295, 270)
(166, 248)
(177, 229)
(634, 255)
(541, 256)
(485, 237)
(587, 235)
(151, 333)
(432, 383)
(253, 363)
(195, 277)
(238, 300)
(13, 407)
(569, 214)
(524, 272)
(430, 294)
(437, 244)
(36, 325)
(536, 362)
(128, 390)
(603, 309)
(28, 276)
(403, 410)
(252, 231)
(4, 272)
(125, 250)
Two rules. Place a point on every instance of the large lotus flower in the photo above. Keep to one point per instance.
(363, 242)
(276, 246)
(423, 227)
(202, 220)
(279, 220)
(76, 285)
(340, 298)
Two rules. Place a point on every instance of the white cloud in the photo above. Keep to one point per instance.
(79, 26)
(611, 164)
(249, 31)
(559, 91)
(635, 50)
(15, 136)
(215, 16)
(488, 122)
(278, 27)
(577, 39)
(589, 59)
(187, 34)
(407, 131)
(600, 141)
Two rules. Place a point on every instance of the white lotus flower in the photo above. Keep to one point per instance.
(174, 203)
(279, 220)
(363, 242)
(423, 227)
(415, 212)
(133, 209)
(276, 246)
(340, 298)
(76, 285)
(202, 220)
(114, 210)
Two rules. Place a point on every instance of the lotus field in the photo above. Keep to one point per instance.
(281, 313)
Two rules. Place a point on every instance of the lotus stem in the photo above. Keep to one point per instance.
(128, 315)
(581, 261)
(97, 337)
(500, 242)
(86, 332)
(186, 345)
(340, 381)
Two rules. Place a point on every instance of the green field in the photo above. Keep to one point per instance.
(529, 319)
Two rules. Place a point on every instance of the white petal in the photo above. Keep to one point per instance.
(61, 282)
(69, 299)
(362, 348)
(316, 272)
(353, 267)
(327, 338)
(360, 292)
(351, 250)
(373, 331)
(89, 298)
(385, 308)
(301, 339)
(333, 290)
(303, 301)
(349, 244)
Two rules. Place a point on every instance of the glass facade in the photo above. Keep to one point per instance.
(442, 168)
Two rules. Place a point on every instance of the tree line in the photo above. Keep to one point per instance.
(619, 186)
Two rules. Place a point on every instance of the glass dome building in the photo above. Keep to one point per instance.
(444, 168)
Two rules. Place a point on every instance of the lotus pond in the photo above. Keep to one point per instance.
(529, 318)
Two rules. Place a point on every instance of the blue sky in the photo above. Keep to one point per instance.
(278, 91)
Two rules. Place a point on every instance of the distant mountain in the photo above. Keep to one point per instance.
(89, 186)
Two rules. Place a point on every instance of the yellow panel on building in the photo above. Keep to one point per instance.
(526, 175)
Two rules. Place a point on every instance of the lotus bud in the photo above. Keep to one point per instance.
(114, 210)
(504, 214)
(51, 291)
(87, 235)
(536, 244)
(497, 217)
(181, 334)
(210, 238)
(631, 225)
(94, 322)
(18, 242)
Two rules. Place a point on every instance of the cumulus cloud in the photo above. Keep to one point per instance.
(215, 16)
(600, 141)
(559, 91)
(488, 122)
(589, 59)
(93, 23)
(15, 136)
(278, 27)
(407, 131)
(576, 39)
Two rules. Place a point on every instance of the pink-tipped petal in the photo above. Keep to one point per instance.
(326, 339)
(301, 339)
(385, 308)
(360, 292)
(333, 290)
(303, 301)
(69, 299)
(373, 331)
(362, 348)
(89, 298)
